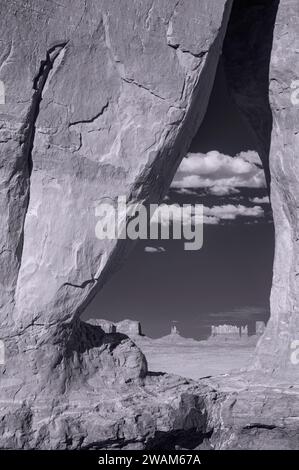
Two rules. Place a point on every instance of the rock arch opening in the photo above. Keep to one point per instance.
(227, 282)
(238, 121)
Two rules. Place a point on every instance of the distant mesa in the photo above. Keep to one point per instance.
(229, 330)
(174, 330)
(236, 332)
(130, 328)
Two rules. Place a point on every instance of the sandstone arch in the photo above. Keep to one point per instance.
(117, 126)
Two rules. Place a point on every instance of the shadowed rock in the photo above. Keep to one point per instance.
(257, 52)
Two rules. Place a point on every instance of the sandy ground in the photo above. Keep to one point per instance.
(196, 359)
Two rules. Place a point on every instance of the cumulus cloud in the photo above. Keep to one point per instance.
(171, 212)
(211, 215)
(211, 220)
(153, 249)
(189, 192)
(223, 190)
(231, 212)
(260, 200)
(219, 173)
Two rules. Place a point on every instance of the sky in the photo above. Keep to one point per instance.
(228, 280)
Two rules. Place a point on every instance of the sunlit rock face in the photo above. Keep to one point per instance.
(102, 99)
(260, 48)
(279, 348)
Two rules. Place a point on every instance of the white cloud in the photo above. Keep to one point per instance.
(211, 220)
(230, 212)
(220, 173)
(223, 191)
(211, 215)
(171, 212)
(251, 156)
(189, 192)
(152, 249)
(260, 200)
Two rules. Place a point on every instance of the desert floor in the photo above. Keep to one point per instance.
(196, 359)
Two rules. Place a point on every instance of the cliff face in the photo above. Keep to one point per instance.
(276, 350)
(260, 49)
(102, 98)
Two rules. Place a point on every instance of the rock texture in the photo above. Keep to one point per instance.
(164, 412)
(102, 100)
(93, 110)
(250, 414)
(130, 328)
(276, 348)
(260, 48)
(106, 325)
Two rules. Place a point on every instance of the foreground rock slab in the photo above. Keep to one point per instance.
(254, 413)
(161, 412)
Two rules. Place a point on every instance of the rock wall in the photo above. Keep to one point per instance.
(260, 48)
(246, 57)
(103, 99)
(275, 351)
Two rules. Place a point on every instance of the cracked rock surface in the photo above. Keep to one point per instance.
(261, 64)
(98, 105)
(102, 99)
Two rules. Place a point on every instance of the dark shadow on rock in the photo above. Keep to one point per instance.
(86, 336)
(156, 374)
(246, 57)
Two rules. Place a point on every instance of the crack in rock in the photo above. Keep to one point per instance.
(39, 83)
(81, 286)
(29, 127)
(260, 426)
(92, 119)
(131, 81)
